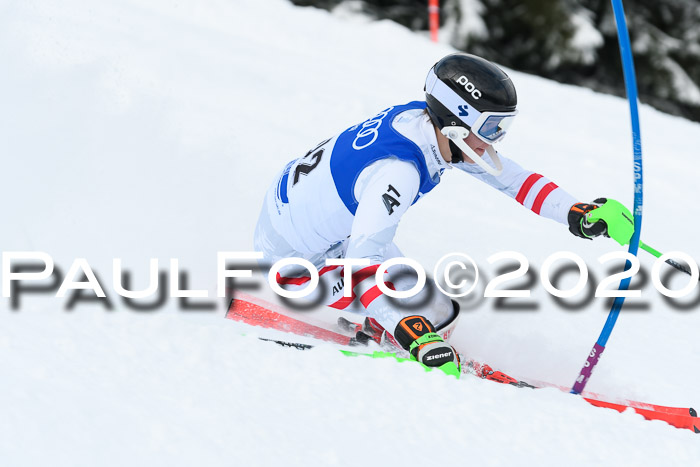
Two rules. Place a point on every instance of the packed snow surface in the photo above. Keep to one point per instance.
(151, 129)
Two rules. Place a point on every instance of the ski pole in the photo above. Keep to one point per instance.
(670, 262)
(619, 224)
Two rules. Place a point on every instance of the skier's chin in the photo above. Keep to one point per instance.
(478, 151)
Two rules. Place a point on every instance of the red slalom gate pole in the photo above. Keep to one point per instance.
(434, 18)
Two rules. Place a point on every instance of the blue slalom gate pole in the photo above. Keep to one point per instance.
(631, 86)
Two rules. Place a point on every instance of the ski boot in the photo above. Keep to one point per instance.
(371, 330)
(367, 332)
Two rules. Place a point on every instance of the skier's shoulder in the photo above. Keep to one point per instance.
(415, 125)
(399, 173)
(413, 113)
(393, 166)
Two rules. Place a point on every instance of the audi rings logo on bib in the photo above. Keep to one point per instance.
(369, 130)
(469, 87)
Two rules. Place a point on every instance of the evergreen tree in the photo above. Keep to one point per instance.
(572, 41)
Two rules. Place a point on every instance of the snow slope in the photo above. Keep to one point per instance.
(140, 130)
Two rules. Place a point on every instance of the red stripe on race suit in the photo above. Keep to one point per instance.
(364, 273)
(357, 277)
(343, 302)
(366, 298)
(369, 296)
(526, 186)
(542, 195)
(304, 279)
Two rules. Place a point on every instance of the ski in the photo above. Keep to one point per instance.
(679, 417)
(257, 312)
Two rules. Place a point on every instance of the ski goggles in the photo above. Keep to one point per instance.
(489, 127)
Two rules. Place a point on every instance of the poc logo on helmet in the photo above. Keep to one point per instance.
(469, 87)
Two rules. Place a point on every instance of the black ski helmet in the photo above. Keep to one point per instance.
(475, 80)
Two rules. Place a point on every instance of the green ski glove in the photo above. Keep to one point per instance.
(617, 217)
(602, 217)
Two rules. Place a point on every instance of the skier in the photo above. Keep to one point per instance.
(345, 197)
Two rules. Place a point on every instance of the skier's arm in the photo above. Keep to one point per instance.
(547, 199)
(384, 191)
(532, 190)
